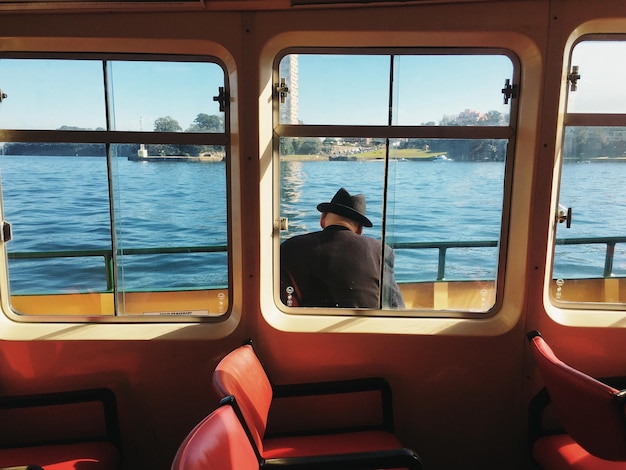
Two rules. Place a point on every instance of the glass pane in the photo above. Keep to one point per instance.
(327, 89)
(602, 75)
(307, 182)
(52, 94)
(589, 256)
(166, 96)
(171, 231)
(428, 91)
(58, 207)
(168, 252)
(444, 219)
(442, 216)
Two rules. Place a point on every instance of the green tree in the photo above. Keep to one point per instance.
(306, 146)
(483, 150)
(492, 118)
(207, 123)
(286, 146)
(167, 124)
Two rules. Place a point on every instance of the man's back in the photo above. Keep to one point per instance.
(334, 267)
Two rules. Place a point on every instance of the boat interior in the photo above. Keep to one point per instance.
(158, 378)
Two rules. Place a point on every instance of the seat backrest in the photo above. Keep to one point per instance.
(591, 412)
(242, 375)
(218, 442)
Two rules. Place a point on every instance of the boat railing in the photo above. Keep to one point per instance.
(441, 246)
(610, 243)
(107, 255)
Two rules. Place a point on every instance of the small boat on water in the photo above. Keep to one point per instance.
(342, 158)
(442, 158)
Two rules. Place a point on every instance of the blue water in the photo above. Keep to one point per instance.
(460, 201)
(61, 203)
(427, 202)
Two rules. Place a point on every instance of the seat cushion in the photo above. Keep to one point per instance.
(218, 442)
(584, 406)
(328, 444)
(88, 455)
(561, 452)
(242, 375)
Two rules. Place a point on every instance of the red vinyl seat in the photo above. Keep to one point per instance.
(241, 373)
(93, 455)
(221, 442)
(51, 450)
(218, 442)
(592, 413)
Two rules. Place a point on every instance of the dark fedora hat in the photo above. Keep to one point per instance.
(352, 207)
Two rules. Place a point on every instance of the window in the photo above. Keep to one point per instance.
(589, 262)
(429, 150)
(114, 181)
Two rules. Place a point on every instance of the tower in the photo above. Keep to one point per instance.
(288, 70)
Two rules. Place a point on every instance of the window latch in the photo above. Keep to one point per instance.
(282, 90)
(573, 78)
(564, 214)
(509, 91)
(222, 98)
(6, 231)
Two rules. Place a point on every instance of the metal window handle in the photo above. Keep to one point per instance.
(564, 214)
(573, 78)
(6, 231)
(509, 91)
(282, 89)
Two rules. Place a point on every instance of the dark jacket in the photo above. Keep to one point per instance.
(336, 267)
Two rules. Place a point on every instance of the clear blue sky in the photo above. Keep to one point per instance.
(332, 89)
(49, 94)
(354, 89)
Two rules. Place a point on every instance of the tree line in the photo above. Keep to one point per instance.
(458, 149)
(581, 143)
(202, 123)
(585, 143)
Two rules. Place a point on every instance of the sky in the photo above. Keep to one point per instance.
(332, 89)
(602, 71)
(51, 93)
(355, 89)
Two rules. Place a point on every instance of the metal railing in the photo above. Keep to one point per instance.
(610, 243)
(442, 248)
(107, 255)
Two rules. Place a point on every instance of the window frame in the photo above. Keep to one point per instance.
(588, 120)
(507, 132)
(109, 138)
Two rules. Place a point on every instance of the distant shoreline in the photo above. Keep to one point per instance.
(325, 158)
(596, 160)
(182, 158)
(425, 157)
(429, 158)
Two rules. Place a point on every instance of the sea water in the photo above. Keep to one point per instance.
(62, 203)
